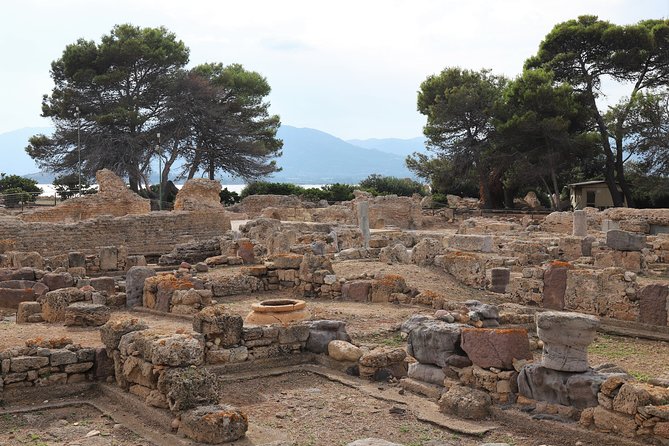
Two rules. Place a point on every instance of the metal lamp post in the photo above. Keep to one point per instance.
(78, 115)
(160, 175)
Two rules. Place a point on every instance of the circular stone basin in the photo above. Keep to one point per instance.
(277, 311)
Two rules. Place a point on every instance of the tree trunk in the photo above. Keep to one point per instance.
(620, 173)
(484, 190)
(555, 200)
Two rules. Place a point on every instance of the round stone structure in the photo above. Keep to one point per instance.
(277, 311)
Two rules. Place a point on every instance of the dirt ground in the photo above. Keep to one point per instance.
(81, 425)
(308, 408)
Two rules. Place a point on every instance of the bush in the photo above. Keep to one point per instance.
(15, 196)
(382, 185)
(265, 188)
(339, 192)
(229, 198)
(331, 192)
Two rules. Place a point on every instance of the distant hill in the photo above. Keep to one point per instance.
(309, 157)
(401, 147)
(13, 157)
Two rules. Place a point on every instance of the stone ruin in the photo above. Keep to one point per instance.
(561, 277)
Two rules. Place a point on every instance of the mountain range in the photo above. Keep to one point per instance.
(309, 157)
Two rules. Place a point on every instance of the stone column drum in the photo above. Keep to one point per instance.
(566, 337)
(580, 223)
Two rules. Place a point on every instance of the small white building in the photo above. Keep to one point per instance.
(593, 194)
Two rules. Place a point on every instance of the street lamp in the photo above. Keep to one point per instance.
(160, 175)
(77, 114)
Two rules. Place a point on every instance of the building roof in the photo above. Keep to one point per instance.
(587, 183)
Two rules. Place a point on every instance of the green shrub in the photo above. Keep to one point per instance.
(339, 192)
(382, 185)
(229, 198)
(15, 196)
(18, 182)
(265, 188)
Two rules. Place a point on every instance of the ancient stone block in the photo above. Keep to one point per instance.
(386, 360)
(83, 314)
(426, 373)
(108, 258)
(58, 280)
(219, 326)
(465, 267)
(62, 357)
(356, 290)
(471, 242)
(566, 337)
(112, 332)
(491, 347)
(555, 285)
(55, 303)
(580, 223)
(76, 260)
(433, 342)
(566, 388)
(321, 332)
(134, 284)
(614, 422)
(105, 284)
(465, 402)
(20, 364)
(26, 311)
(425, 251)
(625, 241)
(214, 424)
(175, 350)
(653, 304)
(11, 298)
(343, 351)
(385, 286)
(199, 194)
(499, 279)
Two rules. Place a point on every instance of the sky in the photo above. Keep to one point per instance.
(349, 68)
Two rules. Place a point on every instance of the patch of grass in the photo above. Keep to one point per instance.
(640, 376)
(611, 348)
(394, 341)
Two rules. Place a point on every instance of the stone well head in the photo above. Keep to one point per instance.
(566, 337)
(277, 311)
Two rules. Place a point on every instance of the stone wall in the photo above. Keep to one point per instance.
(154, 233)
(46, 363)
(113, 198)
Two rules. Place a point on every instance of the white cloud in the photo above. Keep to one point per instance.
(347, 67)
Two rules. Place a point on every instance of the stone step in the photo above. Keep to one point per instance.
(634, 329)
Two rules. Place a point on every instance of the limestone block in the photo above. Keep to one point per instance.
(424, 252)
(175, 350)
(108, 258)
(465, 267)
(491, 347)
(312, 263)
(580, 223)
(426, 373)
(217, 325)
(499, 279)
(343, 351)
(76, 260)
(566, 337)
(465, 402)
(322, 332)
(383, 362)
(653, 304)
(20, 364)
(55, 303)
(214, 424)
(112, 332)
(83, 314)
(26, 311)
(633, 395)
(625, 241)
(385, 286)
(614, 422)
(11, 298)
(433, 342)
(471, 242)
(62, 357)
(398, 253)
(106, 284)
(58, 280)
(555, 285)
(356, 290)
